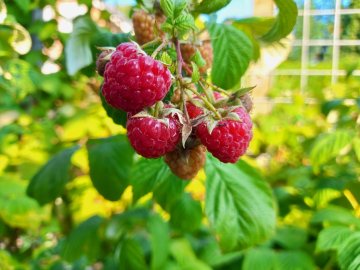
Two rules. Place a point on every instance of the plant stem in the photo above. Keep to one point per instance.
(150, 43)
(216, 88)
(206, 102)
(158, 49)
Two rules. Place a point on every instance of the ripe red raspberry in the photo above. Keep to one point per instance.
(229, 139)
(147, 26)
(152, 137)
(133, 80)
(186, 163)
(206, 51)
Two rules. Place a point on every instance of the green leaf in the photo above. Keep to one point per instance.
(232, 54)
(267, 259)
(168, 7)
(131, 255)
(210, 6)
(184, 23)
(335, 215)
(329, 146)
(186, 213)
(356, 145)
(238, 204)
(291, 237)
(78, 50)
(16, 209)
(198, 59)
(295, 260)
(257, 25)
(332, 237)
(160, 242)
(180, 5)
(118, 116)
(153, 175)
(84, 240)
(49, 182)
(183, 253)
(146, 175)
(24, 5)
(260, 258)
(195, 77)
(284, 23)
(110, 163)
(349, 253)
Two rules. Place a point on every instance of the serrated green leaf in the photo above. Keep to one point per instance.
(77, 49)
(84, 240)
(184, 23)
(284, 23)
(238, 204)
(160, 242)
(168, 7)
(166, 58)
(118, 116)
(180, 5)
(291, 237)
(110, 163)
(146, 175)
(332, 237)
(329, 146)
(233, 51)
(210, 6)
(131, 255)
(186, 213)
(49, 182)
(295, 260)
(195, 76)
(349, 253)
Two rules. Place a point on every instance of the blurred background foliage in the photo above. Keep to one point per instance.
(309, 153)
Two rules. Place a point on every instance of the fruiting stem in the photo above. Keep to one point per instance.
(216, 88)
(150, 43)
(159, 48)
(206, 102)
(157, 109)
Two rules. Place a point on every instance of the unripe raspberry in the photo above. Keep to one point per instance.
(206, 51)
(176, 97)
(147, 26)
(133, 80)
(186, 163)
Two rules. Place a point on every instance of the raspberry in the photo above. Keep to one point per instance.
(229, 139)
(206, 51)
(152, 137)
(146, 26)
(247, 102)
(185, 163)
(133, 80)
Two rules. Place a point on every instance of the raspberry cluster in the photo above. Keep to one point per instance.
(197, 117)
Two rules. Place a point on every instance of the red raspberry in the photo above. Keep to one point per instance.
(152, 137)
(229, 139)
(133, 80)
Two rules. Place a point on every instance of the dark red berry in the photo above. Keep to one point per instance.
(229, 139)
(133, 80)
(152, 137)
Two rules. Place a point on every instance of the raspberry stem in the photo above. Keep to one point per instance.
(163, 44)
